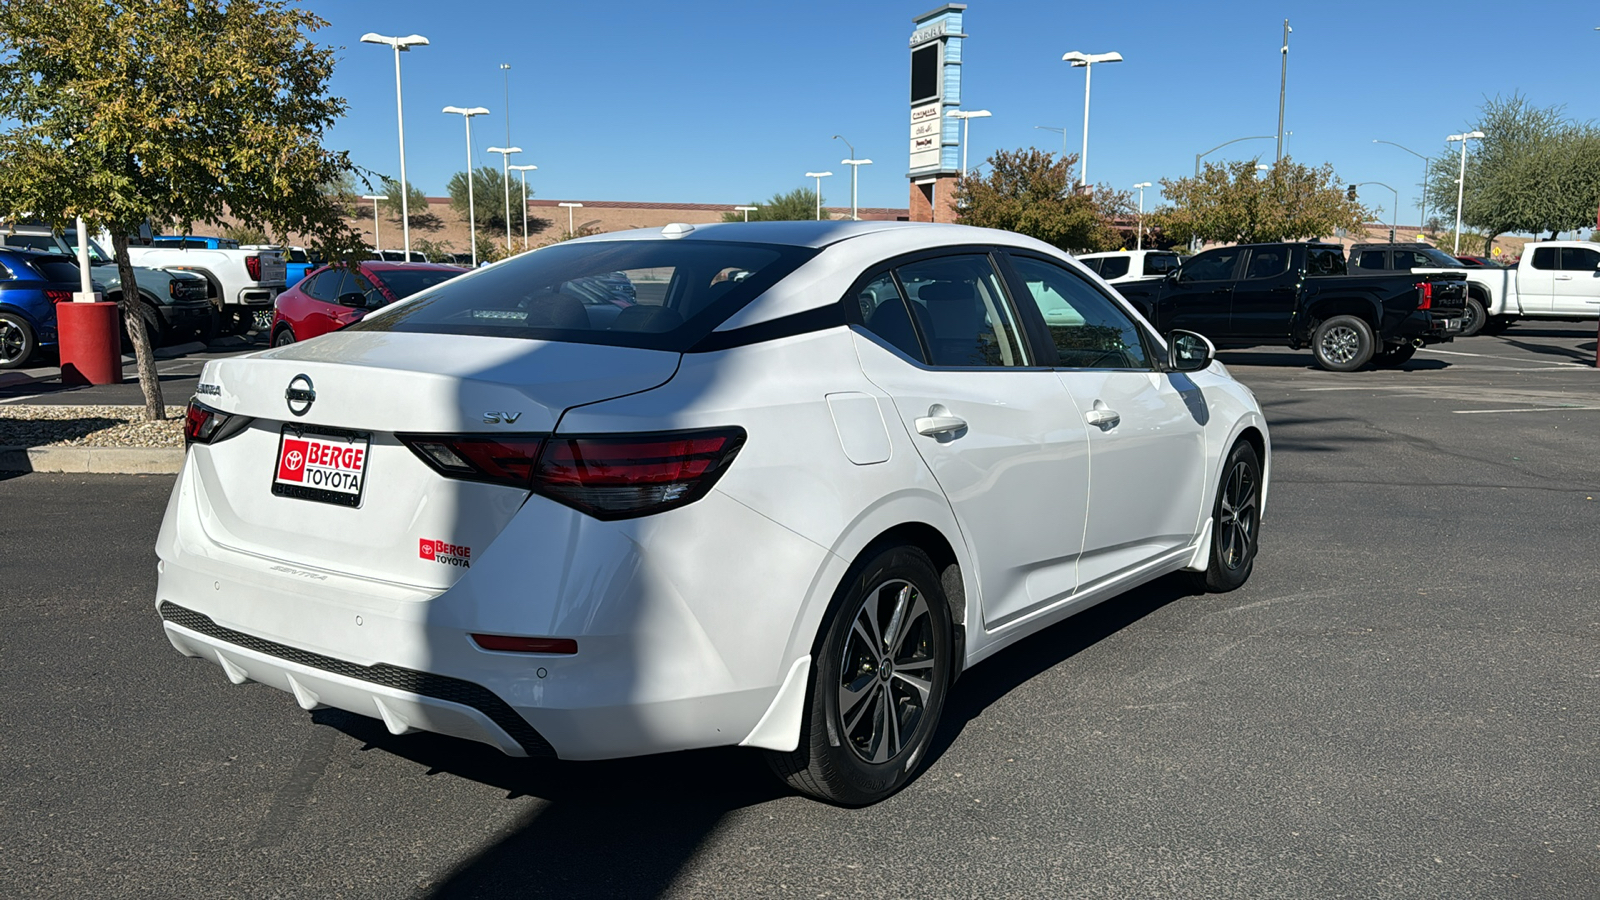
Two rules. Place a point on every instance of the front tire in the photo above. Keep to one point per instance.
(17, 342)
(1235, 523)
(1343, 344)
(879, 682)
(1473, 318)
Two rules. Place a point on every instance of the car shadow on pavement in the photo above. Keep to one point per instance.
(618, 828)
(1583, 352)
(1304, 360)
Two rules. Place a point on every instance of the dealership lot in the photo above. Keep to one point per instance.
(1401, 702)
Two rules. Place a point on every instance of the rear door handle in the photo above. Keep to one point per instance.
(933, 426)
(1106, 419)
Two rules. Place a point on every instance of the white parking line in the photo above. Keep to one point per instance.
(1565, 365)
(1477, 412)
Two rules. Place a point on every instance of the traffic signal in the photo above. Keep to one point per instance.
(1351, 193)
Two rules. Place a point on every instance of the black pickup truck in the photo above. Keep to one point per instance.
(1300, 295)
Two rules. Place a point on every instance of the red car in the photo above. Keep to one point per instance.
(334, 296)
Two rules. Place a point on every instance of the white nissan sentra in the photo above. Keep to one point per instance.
(772, 485)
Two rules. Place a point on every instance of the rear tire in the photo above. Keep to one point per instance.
(1473, 318)
(1343, 344)
(1392, 357)
(1235, 523)
(283, 338)
(878, 685)
(17, 342)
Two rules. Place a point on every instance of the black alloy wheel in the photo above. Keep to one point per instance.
(16, 341)
(1235, 523)
(878, 685)
(283, 338)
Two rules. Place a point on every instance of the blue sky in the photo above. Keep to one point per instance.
(724, 102)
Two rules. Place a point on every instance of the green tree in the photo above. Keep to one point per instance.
(489, 198)
(416, 204)
(246, 234)
(798, 205)
(1030, 191)
(1533, 171)
(1233, 203)
(168, 110)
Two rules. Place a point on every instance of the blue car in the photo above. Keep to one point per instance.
(31, 284)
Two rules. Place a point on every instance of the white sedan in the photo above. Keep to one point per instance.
(804, 477)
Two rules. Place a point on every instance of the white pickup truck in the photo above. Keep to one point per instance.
(1553, 280)
(244, 283)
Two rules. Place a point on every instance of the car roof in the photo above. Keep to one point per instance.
(384, 265)
(815, 235)
(31, 253)
(1129, 253)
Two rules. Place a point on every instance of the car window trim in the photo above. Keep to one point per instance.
(1154, 350)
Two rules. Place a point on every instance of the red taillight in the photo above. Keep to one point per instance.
(505, 460)
(608, 477)
(252, 264)
(58, 296)
(511, 644)
(204, 425)
(1424, 295)
(634, 475)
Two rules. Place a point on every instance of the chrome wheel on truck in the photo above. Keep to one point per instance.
(1342, 344)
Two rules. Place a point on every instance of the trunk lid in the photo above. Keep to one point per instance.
(404, 522)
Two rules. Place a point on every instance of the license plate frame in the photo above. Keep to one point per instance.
(338, 468)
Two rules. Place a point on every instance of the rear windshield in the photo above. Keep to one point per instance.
(404, 284)
(658, 295)
(56, 270)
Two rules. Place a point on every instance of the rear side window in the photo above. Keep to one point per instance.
(1325, 261)
(32, 241)
(1371, 259)
(1094, 264)
(657, 294)
(956, 308)
(1544, 258)
(403, 284)
(55, 270)
(1579, 259)
(1113, 267)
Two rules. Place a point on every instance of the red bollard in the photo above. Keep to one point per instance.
(91, 343)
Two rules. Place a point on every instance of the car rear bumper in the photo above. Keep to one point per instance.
(1430, 327)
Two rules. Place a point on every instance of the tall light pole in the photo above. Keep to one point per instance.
(505, 176)
(466, 115)
(855, 169)
(966, 121)
(375, 238)
(1060, 131)
(570, 207)
(400, 44)
(524, 170)
(1141, 186)
(819, 176)
(1422, 203)
(1396, 204)
(746, 210)
(1086, 61)
(1461, 181)
(1283, 85)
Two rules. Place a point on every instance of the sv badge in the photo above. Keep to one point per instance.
(495, 418)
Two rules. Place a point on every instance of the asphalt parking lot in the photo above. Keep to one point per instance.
(1403, 702)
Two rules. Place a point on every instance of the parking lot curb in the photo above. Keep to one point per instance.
(92, 460)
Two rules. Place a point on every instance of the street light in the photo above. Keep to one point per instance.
(966, 122)
(466, 115)
(1086, 61)
(1461, 181)
(524, 170)
(746, 210)
(1197, 156)
(1060, 131)
(1396, 204)
(1423, 200)
(1141, 186)
(1263, 167)
(819, 176)
(505, 176)
(375, 239)
(570, 207)
(855, 168)
(400, 44)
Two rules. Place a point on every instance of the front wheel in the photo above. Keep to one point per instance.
(1235, 523)
(878, 684)
(1343, 344)
(16, 341)
(1473, 318)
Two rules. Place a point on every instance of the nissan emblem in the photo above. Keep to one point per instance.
(300, 395)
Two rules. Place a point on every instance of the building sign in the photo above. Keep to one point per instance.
(936, 91)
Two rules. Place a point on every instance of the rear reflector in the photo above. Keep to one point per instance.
(511, 644)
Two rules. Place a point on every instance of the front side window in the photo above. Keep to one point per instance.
(1088, 328)
(580, 291)
(1159, 264)
(960, 312)
(1579, 259)
(1212, 265)
(1114, 267)
(1544, 258)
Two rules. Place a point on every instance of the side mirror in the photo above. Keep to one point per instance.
(354, 300)
(1188, 351)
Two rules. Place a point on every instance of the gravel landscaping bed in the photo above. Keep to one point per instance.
(88, 426)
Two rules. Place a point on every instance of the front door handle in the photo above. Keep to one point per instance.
(933, 426)
(1105, 419)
